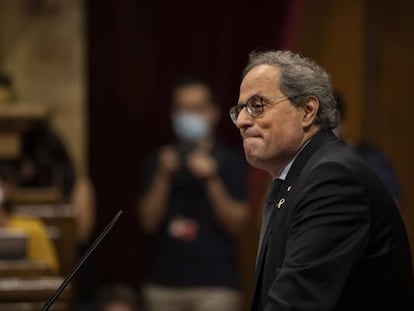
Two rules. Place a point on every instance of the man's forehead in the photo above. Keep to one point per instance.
(261, 73)
(262, 78)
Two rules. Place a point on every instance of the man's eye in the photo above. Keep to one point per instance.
(256, 104)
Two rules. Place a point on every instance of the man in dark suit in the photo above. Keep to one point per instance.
(332, 237)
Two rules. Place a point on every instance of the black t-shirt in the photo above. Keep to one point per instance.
(191, 248)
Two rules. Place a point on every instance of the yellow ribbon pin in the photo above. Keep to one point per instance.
(280, 203)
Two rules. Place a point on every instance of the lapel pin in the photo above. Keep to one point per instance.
(289, 188)
(280, 203)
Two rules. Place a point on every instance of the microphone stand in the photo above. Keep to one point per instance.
(81, 261)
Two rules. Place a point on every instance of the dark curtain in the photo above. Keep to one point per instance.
(136, 49)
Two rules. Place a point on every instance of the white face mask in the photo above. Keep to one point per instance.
(190, 127)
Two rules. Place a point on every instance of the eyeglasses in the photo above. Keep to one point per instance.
(254, 106)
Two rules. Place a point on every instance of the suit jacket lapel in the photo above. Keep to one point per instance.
(317, 140)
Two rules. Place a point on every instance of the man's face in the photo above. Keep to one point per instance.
(273, 138)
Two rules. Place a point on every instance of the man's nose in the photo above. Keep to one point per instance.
(244, 119)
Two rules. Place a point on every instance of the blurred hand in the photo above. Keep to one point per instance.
(201, 164)
(168, 160)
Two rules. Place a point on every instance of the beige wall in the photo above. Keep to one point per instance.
(42, 47)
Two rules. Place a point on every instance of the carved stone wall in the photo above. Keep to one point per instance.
(42, 48)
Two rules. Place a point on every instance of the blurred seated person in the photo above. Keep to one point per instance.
(118, 298)
(45, 171)
(45, 163)
(368, 151)
(40, 248)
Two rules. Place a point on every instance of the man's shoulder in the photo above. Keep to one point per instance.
(336, 151)
(336, 156)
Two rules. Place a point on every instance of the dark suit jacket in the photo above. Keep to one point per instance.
(338, 241)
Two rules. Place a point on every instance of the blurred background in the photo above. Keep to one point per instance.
(100, 73)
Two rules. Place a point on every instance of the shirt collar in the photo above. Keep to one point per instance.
(285, 170)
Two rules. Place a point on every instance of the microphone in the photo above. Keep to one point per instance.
(69, 277)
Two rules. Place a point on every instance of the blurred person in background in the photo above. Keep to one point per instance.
(369, 152)
(194, 204)
(40, 248)
(44, 163)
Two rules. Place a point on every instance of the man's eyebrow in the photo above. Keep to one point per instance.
(254, 95)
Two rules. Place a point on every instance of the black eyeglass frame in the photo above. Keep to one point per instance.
(255, 109)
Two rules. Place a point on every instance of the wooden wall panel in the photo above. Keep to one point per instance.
(367, 48)
(389, 115)
(332, 35)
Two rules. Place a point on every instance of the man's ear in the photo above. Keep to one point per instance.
(310, 110)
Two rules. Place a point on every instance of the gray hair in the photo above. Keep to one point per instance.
(300, 77)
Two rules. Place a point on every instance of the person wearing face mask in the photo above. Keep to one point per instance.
(194, 203)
